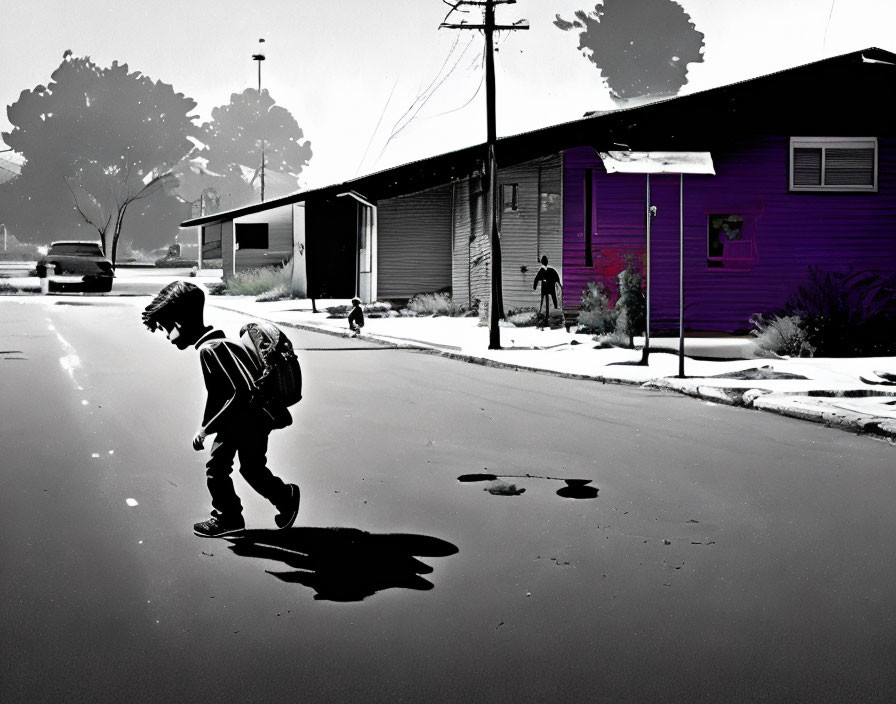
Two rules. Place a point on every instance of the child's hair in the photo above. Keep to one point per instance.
(544, 259)
(356, 301)
(179, 302)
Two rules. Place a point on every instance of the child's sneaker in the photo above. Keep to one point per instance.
(216, 527)
(289, 510)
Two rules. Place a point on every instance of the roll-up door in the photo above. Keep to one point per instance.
(414, 244)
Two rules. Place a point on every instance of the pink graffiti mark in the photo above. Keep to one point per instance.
(608, 263)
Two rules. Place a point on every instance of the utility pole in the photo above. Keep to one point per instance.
(259, 58)
(495, 306)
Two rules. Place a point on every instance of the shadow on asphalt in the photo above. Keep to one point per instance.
(344, 564)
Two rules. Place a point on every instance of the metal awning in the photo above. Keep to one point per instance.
(627, 162)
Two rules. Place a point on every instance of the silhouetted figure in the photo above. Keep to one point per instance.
(356, 317)
(228, 370)
(549, 279)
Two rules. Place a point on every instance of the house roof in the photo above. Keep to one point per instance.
(10, 166)
(829, 95)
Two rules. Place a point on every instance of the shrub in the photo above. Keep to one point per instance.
(784, 336)
(521, 317)
(258, 282)
(846, 314)
(217, 288)
(612, 339)
(376, 309)
(175, 263)
(435, 304)
(278, 293)
(631, 308)
(20, 252)
(596, 315)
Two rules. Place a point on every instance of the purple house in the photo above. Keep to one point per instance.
(805, 175)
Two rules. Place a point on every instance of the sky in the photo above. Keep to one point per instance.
(377, 84)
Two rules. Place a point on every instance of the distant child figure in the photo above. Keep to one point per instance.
(549, 279)
(239, 428)
(356, 317)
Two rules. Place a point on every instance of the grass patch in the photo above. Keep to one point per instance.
(435, 304)
(267, 283)
(8, 289)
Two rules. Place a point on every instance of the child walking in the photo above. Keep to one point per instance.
(239, 428)
(356, 317)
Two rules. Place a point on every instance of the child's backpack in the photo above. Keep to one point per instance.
(279, 381)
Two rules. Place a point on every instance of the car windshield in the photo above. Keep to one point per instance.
(77, 249)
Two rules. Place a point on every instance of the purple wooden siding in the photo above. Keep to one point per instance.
(618, 220)
(791, 231)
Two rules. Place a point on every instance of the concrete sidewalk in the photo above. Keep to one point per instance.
(719, 370)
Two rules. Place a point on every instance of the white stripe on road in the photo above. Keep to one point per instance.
(70, 361)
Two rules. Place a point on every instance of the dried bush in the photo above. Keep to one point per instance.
(258, 282)
(522, 317)
(631, 308)
(596, 315)
(438, 303)
(784, 336)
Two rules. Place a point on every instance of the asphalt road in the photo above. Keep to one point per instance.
(730, 555)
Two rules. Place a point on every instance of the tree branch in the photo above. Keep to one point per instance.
(155, 185)
(80, 211)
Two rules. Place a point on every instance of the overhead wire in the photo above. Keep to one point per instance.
(422, 98)
(426, 98)
(376, 129)
(435, 78)
(481, 60)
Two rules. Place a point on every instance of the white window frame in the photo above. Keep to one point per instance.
(824, 143)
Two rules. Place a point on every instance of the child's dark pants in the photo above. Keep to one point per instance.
(250, 442)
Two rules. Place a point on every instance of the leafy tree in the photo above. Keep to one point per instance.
(642, 47)
(97, 141)
(234, 140)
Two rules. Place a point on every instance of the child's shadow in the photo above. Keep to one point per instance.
(344, 564)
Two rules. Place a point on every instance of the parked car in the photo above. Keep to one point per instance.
(78, 266)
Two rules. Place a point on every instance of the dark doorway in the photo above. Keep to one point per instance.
(331, 240)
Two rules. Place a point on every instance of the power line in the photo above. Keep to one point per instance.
(376, 129)
(421, 99)
(481, 57)
(425, 100)
(824, 41)
(435, 78)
